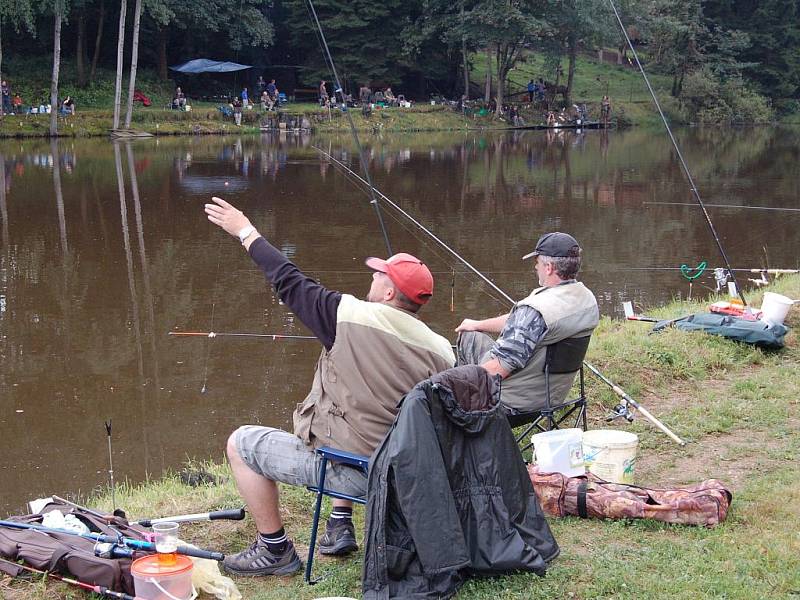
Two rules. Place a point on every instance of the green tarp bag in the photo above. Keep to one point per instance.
(757, 333)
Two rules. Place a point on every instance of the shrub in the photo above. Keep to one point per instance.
(708, 99)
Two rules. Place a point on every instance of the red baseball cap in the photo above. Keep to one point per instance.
(408, 273)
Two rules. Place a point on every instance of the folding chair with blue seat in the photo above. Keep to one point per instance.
(338, 456)
(562, 357)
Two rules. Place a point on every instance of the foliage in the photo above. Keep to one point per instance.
(710, 99)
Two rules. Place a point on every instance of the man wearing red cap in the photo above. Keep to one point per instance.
(374, 352)
(560, 308)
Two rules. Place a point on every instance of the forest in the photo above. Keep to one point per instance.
(723, 57)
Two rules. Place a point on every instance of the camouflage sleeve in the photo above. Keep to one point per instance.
(523, 330)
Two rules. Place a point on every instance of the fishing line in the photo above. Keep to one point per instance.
(781, 209)
(344, 109)
(418, 224)
(352, 177)
(686, 171)
(213, 311)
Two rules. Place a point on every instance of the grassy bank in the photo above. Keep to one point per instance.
(735, 405)
(206, 118)
(631, 104)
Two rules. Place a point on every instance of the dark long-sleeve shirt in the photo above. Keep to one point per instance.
(314, 304)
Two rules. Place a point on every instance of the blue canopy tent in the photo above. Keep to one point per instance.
(205, 65)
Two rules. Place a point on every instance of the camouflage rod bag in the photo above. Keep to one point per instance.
(588, 496)
(70, 555)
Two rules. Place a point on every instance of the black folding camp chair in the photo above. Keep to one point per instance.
(565, 356)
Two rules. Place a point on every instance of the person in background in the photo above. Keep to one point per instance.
(374, 352)
(605, 111)
(364, 94)
(179, 101)
(237, 110)
(323, 94)
(560, 308)
(266, 101)
(389, 95)
(272, 90)
(261, 85)
(245, 97)
(531, 90)
(68, 106)
(6, 93)
(16, 103)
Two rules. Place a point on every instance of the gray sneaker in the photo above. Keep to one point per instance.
(258, 560)
(339, 539)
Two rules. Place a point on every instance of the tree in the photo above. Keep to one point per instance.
(576, 24)
(134, 61)
(101, 17)
(120, 50)
(363, 48)
(58, 14)
(507, 27)
(19, 14)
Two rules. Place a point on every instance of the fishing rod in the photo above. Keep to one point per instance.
(685, 167)
(767, 271)
(111, 539)
(234, 514)
(214, 334)
(623, 410)
(781, 209)
(111, 466)
(97, 589)
(614, 387)
(344, 109)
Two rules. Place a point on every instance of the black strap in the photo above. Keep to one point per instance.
(582, 513)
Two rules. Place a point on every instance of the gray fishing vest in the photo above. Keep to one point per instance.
(569, 310)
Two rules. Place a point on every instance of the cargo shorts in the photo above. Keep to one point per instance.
(282, 456)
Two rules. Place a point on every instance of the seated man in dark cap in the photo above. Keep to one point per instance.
(374, 351)
(561, 308)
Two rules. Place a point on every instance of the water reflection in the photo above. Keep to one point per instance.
(103, 254)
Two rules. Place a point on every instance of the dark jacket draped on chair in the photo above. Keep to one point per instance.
(449, 494)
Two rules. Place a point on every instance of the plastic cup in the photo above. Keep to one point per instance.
(166, 540)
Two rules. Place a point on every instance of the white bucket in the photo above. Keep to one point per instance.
(610, 454)
(559, 451)
(775, 307)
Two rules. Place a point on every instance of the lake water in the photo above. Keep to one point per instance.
(105, 249)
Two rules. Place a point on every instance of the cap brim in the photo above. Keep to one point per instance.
(530, 255)
(376, 264)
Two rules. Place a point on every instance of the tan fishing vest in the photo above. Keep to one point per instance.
(380, 353)
(569, 310)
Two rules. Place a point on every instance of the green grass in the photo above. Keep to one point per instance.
(736, 406)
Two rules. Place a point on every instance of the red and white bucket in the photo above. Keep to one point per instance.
(157, 579)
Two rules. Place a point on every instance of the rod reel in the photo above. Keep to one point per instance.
(621, 410)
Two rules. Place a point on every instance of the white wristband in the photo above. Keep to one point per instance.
(245, 232)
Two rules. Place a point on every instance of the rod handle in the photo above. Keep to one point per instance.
(198, 553)
(660, 425)
(234, 514)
